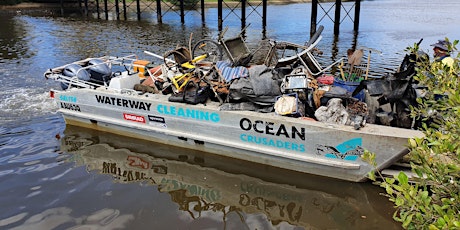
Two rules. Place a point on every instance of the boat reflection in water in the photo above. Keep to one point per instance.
(206, 185)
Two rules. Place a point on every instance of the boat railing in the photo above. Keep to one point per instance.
(57, 73)
(75, 82)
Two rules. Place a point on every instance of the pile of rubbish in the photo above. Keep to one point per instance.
(287, 80)
(288, 90)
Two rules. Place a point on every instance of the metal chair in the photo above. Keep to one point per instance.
(237, 50)
(289, 54)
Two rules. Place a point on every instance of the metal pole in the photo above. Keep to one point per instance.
(357, 13)
(117, 9)
(182, 14)
(138, 6)
(338, 6)
(219, 15)
(314, 16)
(106, 10)
(243, 14)
(97, 10)
(202, 12)
(124, 10)
(159, 17)
(86, 8)
(264, 19)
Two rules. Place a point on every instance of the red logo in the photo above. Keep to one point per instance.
(138, 162)
(133, 117)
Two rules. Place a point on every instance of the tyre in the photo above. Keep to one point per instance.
(210, 47)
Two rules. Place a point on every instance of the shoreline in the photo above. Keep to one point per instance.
(49, 6)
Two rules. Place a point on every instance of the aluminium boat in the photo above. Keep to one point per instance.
(294, 143)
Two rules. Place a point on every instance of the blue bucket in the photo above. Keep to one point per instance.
(350, 86)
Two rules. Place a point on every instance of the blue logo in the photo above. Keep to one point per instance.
(66, 98)
(348, 150)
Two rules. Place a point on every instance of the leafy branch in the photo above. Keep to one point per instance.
(432, 199)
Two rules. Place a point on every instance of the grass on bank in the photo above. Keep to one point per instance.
(14, 2)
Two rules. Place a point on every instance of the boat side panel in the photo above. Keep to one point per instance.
(264, 138)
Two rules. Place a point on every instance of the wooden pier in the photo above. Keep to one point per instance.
(120, 9)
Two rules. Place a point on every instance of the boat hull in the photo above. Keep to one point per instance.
(307, 146)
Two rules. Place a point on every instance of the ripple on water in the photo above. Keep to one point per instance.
(32, 166)
(62, 216)
(30, 146)
(25, 103)
(13, 219)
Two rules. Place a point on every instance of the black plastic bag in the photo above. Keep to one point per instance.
(193, 93)
(196, 93)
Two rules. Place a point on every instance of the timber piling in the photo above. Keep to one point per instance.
(120, 10)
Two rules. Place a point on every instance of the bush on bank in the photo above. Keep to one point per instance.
(432, 200)
(11, 2)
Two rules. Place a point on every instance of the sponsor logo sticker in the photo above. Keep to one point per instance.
(156, 119)
(134, 117)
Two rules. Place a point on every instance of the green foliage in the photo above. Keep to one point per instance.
(11, 2)
(433, 201)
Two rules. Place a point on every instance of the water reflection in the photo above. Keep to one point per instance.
(12, 33)
(55, 218)
(232, 193)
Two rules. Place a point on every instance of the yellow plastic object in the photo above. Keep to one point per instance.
(180, 81)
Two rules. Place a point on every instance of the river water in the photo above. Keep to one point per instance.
(54, 176)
